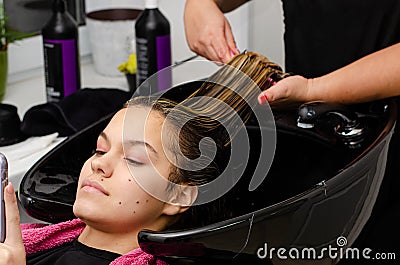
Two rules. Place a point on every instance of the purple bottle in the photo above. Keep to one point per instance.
(61, 53)
(153, 47)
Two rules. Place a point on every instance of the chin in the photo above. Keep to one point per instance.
(93, 213)
(88, 209)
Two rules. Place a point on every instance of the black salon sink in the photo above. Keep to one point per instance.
(318, 193)
(317, 190)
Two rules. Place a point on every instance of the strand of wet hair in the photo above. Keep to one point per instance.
(237, 85)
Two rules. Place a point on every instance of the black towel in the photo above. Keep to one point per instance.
(73, 113)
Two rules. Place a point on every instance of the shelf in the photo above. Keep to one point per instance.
(31, 91)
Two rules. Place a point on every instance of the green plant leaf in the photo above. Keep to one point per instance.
(7, 34)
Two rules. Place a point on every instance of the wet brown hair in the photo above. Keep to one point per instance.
(235, 85)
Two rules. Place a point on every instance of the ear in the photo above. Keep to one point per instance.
(183, 198)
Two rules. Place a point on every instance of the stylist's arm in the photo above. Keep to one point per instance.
(12, 251)
(354, 83)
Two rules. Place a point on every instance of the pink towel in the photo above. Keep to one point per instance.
(137, 257)
(39, 237)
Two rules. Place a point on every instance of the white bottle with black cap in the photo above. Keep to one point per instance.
(153, 48)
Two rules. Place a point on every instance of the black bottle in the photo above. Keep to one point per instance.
(61, 53)
(153, 47)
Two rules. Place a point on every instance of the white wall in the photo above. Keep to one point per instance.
(257, 26)
(173, 10)
(266, 29)
(27, 55)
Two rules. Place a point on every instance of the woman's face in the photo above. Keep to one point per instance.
(108, 196)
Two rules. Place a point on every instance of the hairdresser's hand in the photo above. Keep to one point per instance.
(12, 251)
(289, 92)
(208, 32)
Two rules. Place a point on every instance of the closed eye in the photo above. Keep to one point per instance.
(133, 162)
(98, 152)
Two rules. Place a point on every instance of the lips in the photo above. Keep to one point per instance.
(94, 186)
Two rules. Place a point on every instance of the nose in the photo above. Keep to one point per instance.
(102, 165)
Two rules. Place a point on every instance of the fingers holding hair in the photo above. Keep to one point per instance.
(208, 32)
(288, 92)
(230, 40)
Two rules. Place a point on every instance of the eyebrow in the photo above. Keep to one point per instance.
(132, 143)
(137, 142)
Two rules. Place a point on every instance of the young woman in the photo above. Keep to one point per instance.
(148, 140)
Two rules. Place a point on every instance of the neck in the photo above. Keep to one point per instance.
(120, 243)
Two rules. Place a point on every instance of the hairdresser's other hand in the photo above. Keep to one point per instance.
(208, 32)
(12, 251)
(289, 92)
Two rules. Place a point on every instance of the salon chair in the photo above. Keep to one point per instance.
(328, 167)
